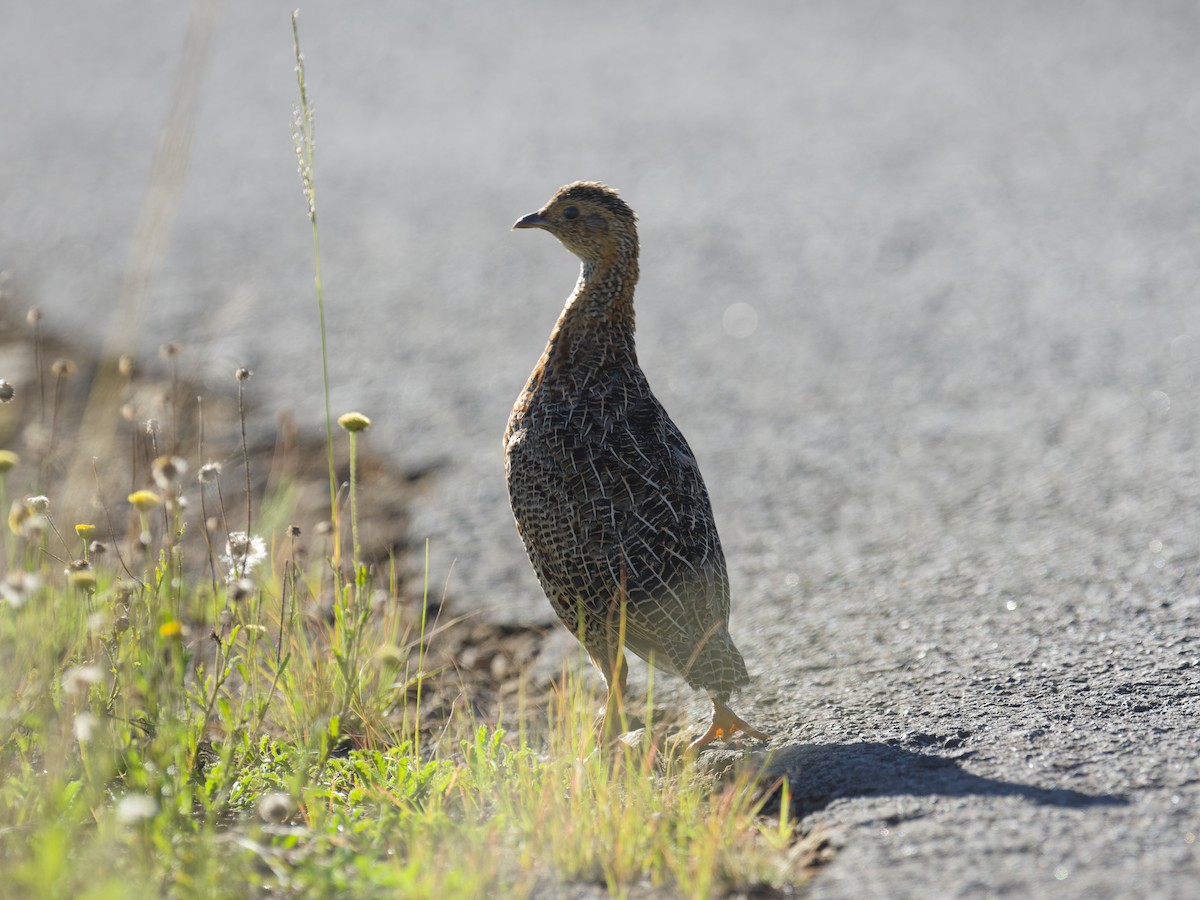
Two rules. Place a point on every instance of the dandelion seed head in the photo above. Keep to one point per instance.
(78, 679)
(243, 553)
(136, 808)
(85, 726)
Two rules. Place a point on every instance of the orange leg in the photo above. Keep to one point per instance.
(724, 723)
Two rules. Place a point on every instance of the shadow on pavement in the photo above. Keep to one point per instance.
(822, 773)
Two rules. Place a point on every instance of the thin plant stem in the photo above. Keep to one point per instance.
(242, 376)
(354, 498)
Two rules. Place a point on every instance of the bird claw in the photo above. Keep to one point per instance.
(725, 722)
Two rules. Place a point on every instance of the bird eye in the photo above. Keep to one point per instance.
(570, 213)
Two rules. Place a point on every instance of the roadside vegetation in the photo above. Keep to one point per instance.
(202, 695)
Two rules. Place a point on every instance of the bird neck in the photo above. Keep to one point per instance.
(597, 324)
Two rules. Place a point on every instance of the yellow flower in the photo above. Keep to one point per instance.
(172, 629)
(8, 459)
(144, 500)
(85, 531)
(354, 421)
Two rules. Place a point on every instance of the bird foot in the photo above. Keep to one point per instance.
(724, 723)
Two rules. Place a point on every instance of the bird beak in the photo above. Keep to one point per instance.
(533, 220)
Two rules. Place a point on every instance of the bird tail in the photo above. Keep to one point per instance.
(716, 664)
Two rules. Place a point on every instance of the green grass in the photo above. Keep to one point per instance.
(161, 740)
(190, 711)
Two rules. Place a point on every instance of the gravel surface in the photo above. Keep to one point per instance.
(921, 283)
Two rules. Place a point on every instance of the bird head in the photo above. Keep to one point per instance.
(590, 219)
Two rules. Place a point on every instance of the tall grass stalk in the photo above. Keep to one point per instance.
(303, 135)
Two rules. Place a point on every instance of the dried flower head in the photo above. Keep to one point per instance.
(293, 531)
(144, 501)
(354, 421)
(97, 547)
(62, 368)
(152, 426)
(33, 317)
(169, 350)
(7, 391)
(240, 589)
(275, 808)
(83, 578)
(168, 470)
(209, 472)
(243, 374)
(125, 365)
(39, 504)
(18, 586)
(24, 521)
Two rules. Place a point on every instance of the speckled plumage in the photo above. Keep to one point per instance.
(606, 492)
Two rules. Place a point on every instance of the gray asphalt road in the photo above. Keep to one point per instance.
(920, 283)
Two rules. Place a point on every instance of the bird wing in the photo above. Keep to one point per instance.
(608, 493)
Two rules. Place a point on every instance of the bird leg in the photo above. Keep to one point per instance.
(724, 723)
(617, 677)
(611, 660)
